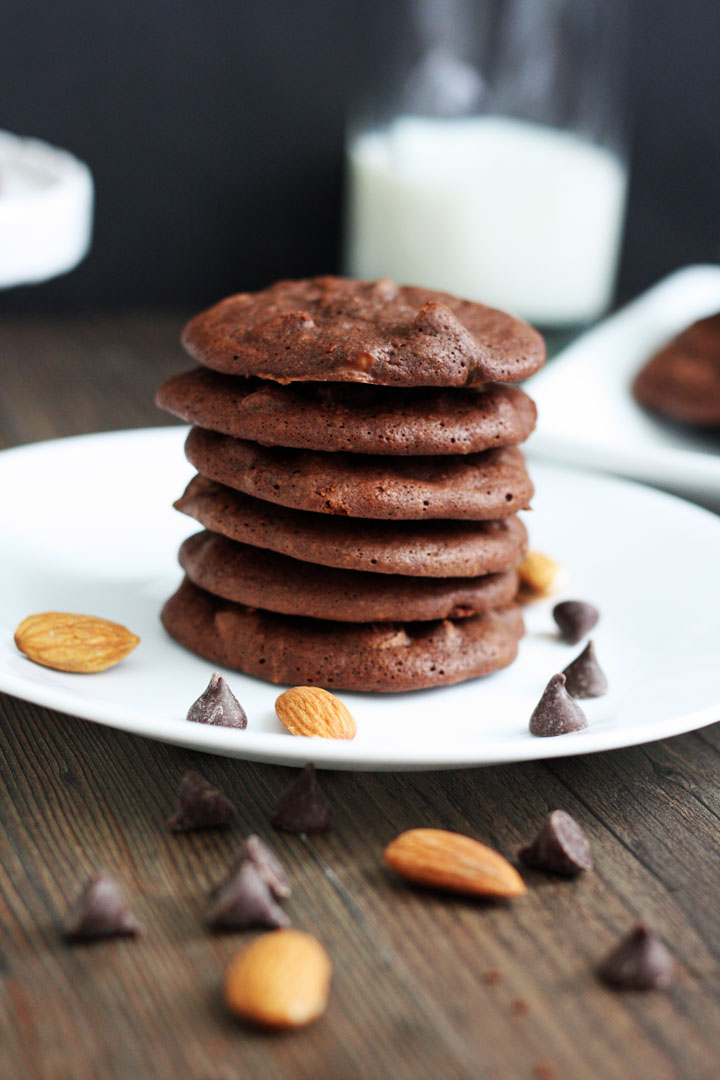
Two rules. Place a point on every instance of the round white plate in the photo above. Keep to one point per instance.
(87, 526)
(588, 416)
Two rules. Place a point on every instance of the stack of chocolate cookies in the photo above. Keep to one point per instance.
(358, 484)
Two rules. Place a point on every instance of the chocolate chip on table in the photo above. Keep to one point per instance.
(303, 808)
(544, 1070)
(268, 866)
(560, 846)
(101, 911)
(254, 850)
(584, 678)
(245, 900)
(200, 805)
(575, 619)
(556, 713)
(640, 962)
(493, 976)
(218, 705)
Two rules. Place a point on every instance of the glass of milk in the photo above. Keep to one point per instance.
(493, 166)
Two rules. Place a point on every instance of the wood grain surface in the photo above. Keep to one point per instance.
(424, 985)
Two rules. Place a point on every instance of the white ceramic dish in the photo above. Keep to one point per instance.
(587, 415)
(86, 525)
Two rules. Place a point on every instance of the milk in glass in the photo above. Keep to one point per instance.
(517, 214)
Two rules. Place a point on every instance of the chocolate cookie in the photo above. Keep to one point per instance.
(264, 579)
(339, 330)
(420, 549)
(351, 417)
(345, 656)
(486, 486)
(682, 381)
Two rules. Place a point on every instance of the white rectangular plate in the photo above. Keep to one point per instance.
(587, 415)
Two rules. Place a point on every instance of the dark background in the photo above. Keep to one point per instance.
(215, 134)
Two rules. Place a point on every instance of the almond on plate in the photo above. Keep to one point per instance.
(310, 710)
(451, 861)
(281, 980)
(79, 643)
(537, 576)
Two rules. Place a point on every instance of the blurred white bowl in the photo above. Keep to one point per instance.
(46, 207)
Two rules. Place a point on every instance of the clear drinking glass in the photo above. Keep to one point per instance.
(490, 162)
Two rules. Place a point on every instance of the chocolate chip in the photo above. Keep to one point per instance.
(493, 976)
(584, 678)
(218, 705)
(303, 808)
(100, 911)
(640, 962)
(556, 713)
(560, 847)
(544, 1070)
(575, 619)
(245, 900)
(266, 864)
(200, 805)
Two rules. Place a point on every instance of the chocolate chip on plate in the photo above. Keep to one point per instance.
(560, 847)
(303, 808)
(584, 678)
(556, 713)
(575, 619)
(101, 911)
(218, 705)
(200, 805)
(245, 900)
(640, 962)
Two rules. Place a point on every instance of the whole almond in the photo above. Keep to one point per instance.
(537, 574)
(79, 643)
(449, 860)
(310, 710)
(281, 980)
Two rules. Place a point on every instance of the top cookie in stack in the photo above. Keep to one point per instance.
(358, 482)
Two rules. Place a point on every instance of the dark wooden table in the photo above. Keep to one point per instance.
(424, 985)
